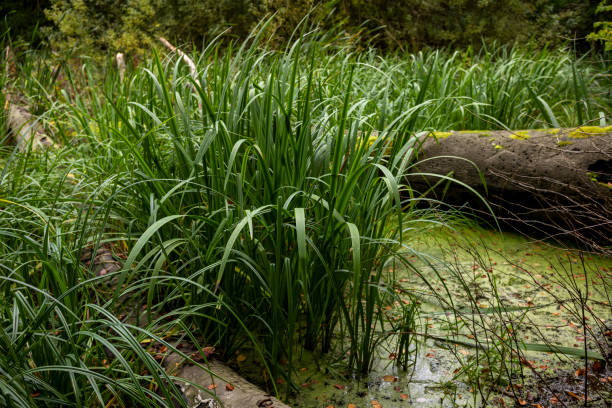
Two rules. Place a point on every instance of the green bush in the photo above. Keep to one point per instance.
(604, 28)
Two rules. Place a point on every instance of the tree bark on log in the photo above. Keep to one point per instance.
(229, 387)
(26, 129)
(552, 181)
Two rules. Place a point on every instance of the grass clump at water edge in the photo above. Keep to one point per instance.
(253, 211)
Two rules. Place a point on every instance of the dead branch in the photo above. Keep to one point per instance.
(188, 61)
(120, 60)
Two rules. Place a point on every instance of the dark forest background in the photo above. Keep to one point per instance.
(100, 26)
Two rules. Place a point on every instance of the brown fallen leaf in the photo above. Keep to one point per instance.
(376, 404)
(229, 387)
(208, 351)
(389, 378)
(351, 406)
(212, 386)
(404, 397)
(240, 358)
(576, 396)
(522, 402)
(339, 386)
(573, 395)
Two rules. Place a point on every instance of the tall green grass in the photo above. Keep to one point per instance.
(256, 207)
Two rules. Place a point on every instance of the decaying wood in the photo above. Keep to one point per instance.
(566, 155)
(120, 60)
(193, 72)
(232, 390)
(26, 129)
(192, 67)
(555, 181)
(102, 262)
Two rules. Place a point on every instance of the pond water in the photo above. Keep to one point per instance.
(540, 287)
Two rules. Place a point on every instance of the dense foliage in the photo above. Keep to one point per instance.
(604, 28)
(131, 25)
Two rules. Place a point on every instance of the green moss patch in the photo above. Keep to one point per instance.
(584, 132)
(441, 135)
(520, 135)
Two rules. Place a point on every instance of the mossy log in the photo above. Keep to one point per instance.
(26, 130)
(231, 389)
(559, 178)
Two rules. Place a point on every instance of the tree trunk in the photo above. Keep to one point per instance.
(553, 181)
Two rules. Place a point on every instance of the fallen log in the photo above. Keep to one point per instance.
(552, 181)
(226, 386)
(25, 128)
(27, 131)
